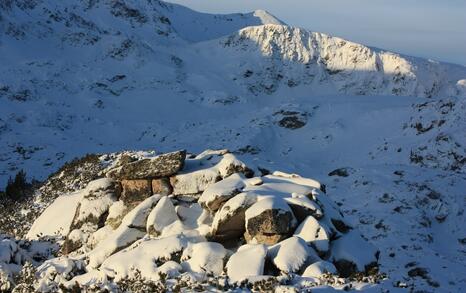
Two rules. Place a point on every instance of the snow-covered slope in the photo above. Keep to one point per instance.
(113, 74)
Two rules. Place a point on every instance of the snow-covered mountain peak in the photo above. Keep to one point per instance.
(266, 17)
(348, 67)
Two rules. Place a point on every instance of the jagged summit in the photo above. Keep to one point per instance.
(266, 17)
(298, 56)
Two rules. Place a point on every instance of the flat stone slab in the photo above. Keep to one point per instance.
(164, 165)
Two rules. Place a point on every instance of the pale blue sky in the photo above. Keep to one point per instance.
(426, 28)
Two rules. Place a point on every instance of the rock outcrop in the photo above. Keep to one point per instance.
(164, 165)
(204, 220)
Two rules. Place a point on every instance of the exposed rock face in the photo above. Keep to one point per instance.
(164, 165)
(162, 186)
(135, 190)
(269, 221)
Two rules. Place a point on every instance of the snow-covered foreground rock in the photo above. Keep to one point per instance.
(172, 240)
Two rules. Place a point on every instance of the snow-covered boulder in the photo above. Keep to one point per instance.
(248, 261)
(137, 217)
(171, 269)
(461, 87)
(319, 268)
(303, 207)
(292, 254)
(119, 239)
(206, 169)
(297, 179)
(269, 221)
(333, 218)
(229, 221)
(12, 255)
(91, 212)
(56, 220)
(351, 253)
(295, 190)
(164, 165)
(162, 215)
(116, 214)
(215, 195)
(204, 257)
(315, 234)
(55, 271)
(96, 199)
(195, 183)
(143, 256)
(190, 214)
